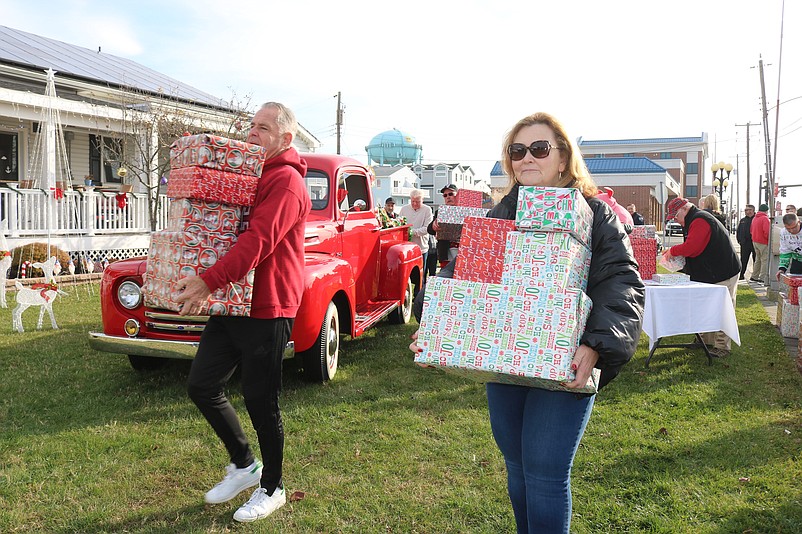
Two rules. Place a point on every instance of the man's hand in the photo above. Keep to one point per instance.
(193, 293)
(583, 363)
(435, 226)
(779, 273)
(667, 254)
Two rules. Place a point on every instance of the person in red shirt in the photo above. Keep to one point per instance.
(761, 226)
(709, 257)
(272, 243)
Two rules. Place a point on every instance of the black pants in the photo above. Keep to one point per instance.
(257, 346)
(746, 252)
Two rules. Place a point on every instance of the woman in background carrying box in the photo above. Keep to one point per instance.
(537, 430)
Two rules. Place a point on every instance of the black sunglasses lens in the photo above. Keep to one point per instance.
(539, 149)
(517, 151)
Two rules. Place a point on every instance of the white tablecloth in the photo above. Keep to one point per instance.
(688, 309)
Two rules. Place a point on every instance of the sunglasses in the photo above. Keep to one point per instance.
(449, 195)
(538, 149)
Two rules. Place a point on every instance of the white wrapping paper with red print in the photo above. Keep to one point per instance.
(451, 218)
(202, 183)
(215, 152)
(469, 198)
(644, 231)
(787, 317)
(645, 252)
(554, 209)
(481, 249)
(198, 216)
(174, 255)
(508, 334)
(543, 259)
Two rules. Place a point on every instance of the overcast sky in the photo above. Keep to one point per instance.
(457, 75)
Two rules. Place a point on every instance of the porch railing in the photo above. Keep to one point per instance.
(35, 212)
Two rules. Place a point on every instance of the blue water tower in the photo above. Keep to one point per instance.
(394, 147)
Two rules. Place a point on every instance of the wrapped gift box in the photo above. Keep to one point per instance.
(787, 317)
(554, 209)
(643, 231)
(215, 152)
(509, 334)
(545, 259)
(469, 198)
(174, 255)
(645, 252)
(198, 216)
(671, 279)
(451, 218)
(792, 282)
(203, 183)
(481, 250)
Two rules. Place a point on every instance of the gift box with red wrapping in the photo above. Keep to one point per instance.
(174, 255)
(215, 152)
(508, 334)
(792, 282)
(645, 252)
(203, 183)
(545, 259)
(481, 249)
(469, 198)
(198, 216)
(554, 209)
(451, 218)
(644, 231)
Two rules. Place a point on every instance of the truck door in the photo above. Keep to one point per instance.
(360, 233)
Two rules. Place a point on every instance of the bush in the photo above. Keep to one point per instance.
(35, 252)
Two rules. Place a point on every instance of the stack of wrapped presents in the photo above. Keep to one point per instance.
(788, 305)
(450, 219)
(644, 247)
(516, 308)
(212, 181)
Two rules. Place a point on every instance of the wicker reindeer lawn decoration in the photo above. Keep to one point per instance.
(41, 295)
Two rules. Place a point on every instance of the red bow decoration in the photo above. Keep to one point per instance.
(58, 194)
(44, 288)
(122, 200)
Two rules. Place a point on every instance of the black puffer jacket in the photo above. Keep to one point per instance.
(614, 286)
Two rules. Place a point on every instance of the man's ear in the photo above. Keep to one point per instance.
(286, 140)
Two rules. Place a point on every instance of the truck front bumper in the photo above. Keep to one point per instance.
(154, 348)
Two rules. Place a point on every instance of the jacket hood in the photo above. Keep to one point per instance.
(761, 214)
(288, 157)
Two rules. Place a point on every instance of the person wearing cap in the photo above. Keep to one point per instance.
(446, 250)
(760, 241)
(389, 208)
(709, 257)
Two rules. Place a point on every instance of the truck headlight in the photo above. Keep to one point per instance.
(129, 294)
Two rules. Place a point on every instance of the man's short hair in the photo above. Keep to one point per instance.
(749, 207)
(285, 118)
(790, 218)
(416, 193)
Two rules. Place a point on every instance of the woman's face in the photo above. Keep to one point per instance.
(532, 171)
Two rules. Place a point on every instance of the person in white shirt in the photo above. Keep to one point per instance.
(419, 216)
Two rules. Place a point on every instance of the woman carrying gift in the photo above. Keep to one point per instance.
(537, 430)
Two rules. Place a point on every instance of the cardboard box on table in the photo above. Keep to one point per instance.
(215, 152)
(645, 252)
(554, 209)
(482, 248)
(508, 334)
(451, 218)
(789, 284)
(787, 316)
(671, 279)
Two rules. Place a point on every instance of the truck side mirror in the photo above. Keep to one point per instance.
(341, 194)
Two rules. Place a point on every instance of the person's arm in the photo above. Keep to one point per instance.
(432, 228)
(698, 239)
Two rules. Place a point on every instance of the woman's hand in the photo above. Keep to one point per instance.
(415, 348)
(583, 363)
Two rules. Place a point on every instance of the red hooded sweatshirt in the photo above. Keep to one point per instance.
(272, 242)
(760, 228)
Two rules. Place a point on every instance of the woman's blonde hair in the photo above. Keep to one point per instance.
(711, 202)
(576, 172)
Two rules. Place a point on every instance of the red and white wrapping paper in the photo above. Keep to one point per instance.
(451, 218)
(469, 198)
(644, 231)
(174, 255)
(554, 209)
(545, 259)
(199, 216)
(215, 152)
(500, 333)
(787, 317)
(203, 183)
(789, 284)
(645, 252)
(481, 250)
(670, 279)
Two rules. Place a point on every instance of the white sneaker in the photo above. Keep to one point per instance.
(260, 505)
(234, 482)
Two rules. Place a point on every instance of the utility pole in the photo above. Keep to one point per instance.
(766, 135)
(748, 167)
(339, 120)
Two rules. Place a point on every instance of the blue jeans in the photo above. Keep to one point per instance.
(538, 432)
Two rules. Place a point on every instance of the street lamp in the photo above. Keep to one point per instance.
(720, 180)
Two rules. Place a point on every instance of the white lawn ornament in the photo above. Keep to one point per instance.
(71, 267)
(5, 265)
(41, 295)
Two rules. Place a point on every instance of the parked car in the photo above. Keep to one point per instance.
(357, 273)
(673, 228)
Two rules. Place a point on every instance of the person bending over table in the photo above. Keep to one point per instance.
(709, 257)
(790, 245)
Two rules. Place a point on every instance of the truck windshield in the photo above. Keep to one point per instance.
(317, 184)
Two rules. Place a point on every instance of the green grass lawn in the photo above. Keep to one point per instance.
(89, 445)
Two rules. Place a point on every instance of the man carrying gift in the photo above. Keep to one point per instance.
(446, 249)
(272, 243)
(790, 245)
(709, 257)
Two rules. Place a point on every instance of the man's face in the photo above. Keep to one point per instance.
(790, 208)
(792, 228)
(416, 202)
(750, 212)
(680, 216)
(389, 207)
(450, 197)
(265, 132)
(631, 208)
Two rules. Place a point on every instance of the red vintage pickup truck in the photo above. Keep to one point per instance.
(356, 274)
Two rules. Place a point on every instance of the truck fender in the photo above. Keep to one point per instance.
(404, 261)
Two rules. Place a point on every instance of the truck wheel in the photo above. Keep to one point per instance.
(403, 313)
(320, 361)
(146, 363)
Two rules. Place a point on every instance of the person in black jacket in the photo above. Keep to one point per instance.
(538, 431)
(637, 218)
(744, 237)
